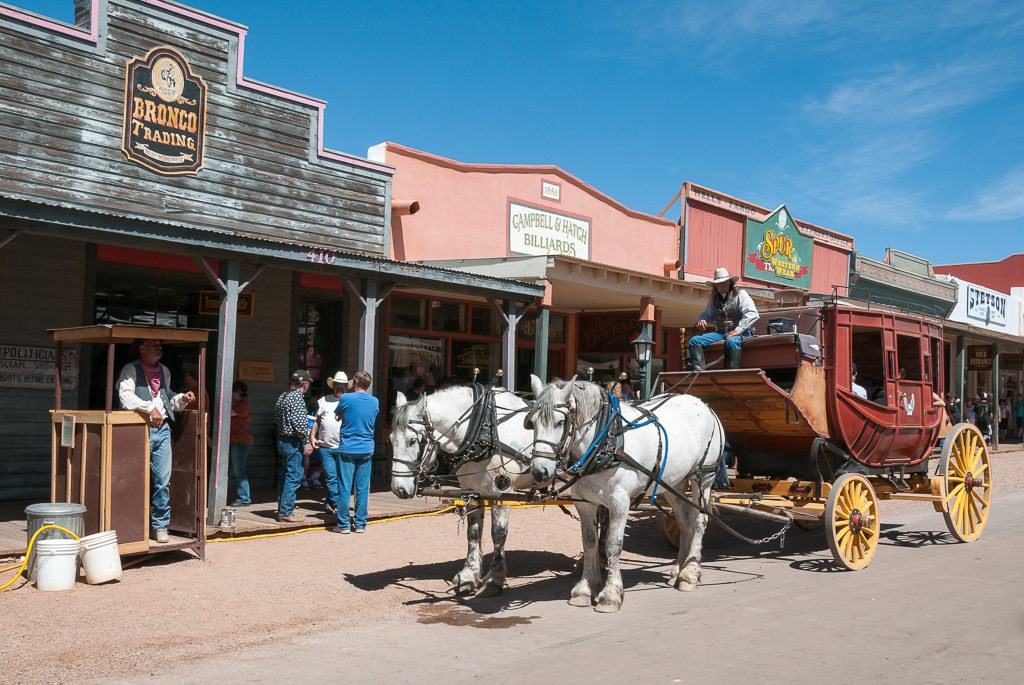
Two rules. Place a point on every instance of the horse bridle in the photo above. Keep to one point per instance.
(570, 428)
(480, 443)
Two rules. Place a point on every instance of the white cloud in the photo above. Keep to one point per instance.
(1002, 200)
(906, 93)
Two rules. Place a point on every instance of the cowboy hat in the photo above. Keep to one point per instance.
(722, 275)
(339, 377)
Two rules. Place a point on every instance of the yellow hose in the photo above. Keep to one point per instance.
(29, 551)
(306, 530)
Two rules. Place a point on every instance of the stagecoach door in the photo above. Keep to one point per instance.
(909, 366)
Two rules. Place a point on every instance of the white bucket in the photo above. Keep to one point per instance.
(100, 557)
(56, 564)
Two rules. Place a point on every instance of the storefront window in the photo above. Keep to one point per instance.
(125, 302)
(485, 320)
(412, 357)
(527, 330)
(467, 356)
(449, 317)
(408, 312)
(606, 366)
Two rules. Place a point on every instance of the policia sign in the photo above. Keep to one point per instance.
(164, 113)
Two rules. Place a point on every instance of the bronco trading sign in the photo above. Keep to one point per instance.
(777, 252)
(164, 113)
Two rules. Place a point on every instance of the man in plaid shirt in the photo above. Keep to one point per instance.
(292, 434)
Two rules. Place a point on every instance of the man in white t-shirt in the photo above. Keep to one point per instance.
(324, 436)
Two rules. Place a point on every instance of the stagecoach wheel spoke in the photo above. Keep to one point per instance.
(967, 483)
(852, 509)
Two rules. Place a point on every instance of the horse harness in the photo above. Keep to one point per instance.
(607, 450)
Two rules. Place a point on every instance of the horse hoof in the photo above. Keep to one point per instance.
(579, 601)
(607, 607)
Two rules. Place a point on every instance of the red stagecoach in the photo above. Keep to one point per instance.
(807, 443)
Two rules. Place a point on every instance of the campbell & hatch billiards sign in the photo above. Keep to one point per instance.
(164, 113)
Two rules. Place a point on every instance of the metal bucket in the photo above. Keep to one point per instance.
(64, 514)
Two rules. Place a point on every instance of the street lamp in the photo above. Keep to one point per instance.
(643, 345)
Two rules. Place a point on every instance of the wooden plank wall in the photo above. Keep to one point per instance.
(266, 336)
(60, 136)
(41, 281)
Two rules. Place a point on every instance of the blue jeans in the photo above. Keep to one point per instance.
(705, 339)
(290, 450)
(160, 477)
(355, 469)
(330, 457)
(238, 453)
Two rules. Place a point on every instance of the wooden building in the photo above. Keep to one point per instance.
(144, 179)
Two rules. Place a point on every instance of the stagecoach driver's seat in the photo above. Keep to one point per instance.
(730, 316)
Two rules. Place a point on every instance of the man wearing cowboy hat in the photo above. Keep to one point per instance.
(144, 386)
(729, 316)
(325, 435)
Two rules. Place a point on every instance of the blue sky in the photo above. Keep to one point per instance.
(899, 123)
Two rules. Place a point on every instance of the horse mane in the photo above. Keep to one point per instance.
(401, 417)
(588, 399)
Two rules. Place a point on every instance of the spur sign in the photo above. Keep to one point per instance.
(777, 252)
(164, 113)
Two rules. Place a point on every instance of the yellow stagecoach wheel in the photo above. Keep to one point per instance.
(852, 521)
(966, 482)
(669, 527)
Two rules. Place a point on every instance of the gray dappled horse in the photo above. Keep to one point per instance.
(669, 440)
(436, 427)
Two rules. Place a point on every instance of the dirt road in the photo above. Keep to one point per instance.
(306, 604)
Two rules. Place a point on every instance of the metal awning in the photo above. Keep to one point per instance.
(581, 285)
(55, 221)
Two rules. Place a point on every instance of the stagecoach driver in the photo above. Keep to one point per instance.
(144, 386)
(730, 316)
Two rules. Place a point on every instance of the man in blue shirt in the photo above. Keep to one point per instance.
(357, 411)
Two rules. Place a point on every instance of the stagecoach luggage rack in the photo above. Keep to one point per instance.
(781, 325)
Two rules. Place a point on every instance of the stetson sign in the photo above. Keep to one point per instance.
(164, 113)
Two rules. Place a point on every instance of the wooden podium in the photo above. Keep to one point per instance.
(100, 458)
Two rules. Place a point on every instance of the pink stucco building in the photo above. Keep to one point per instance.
(607, 268)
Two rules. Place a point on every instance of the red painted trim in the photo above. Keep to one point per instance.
(523, 169)
(320, 282)
(113, 254)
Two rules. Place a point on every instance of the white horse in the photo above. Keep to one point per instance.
(440, 423)
(683, 444)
